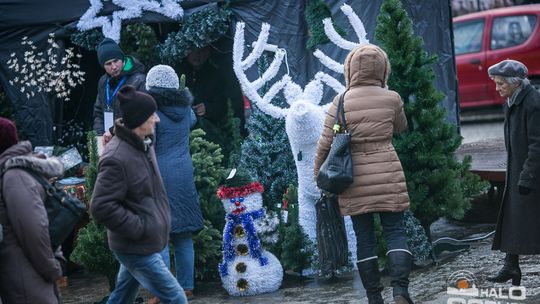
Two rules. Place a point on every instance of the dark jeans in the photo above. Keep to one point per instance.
(394, 233)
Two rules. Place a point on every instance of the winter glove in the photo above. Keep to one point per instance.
(59, 256)
(524, 190)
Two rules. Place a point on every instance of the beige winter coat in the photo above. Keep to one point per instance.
(373, 115)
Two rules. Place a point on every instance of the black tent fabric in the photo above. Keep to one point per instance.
(431, 20)
(36, 19)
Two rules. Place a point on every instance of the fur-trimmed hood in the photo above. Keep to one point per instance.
(20, 156)
(171, 101)
(171, 97)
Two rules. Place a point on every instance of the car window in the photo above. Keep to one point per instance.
(468, 36)
(511, 30)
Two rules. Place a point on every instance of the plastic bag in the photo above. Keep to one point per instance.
(331, 235)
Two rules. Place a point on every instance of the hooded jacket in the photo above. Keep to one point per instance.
(172, 153)
(373, 114)
(134, 75)
(28, 267)
(129, 198)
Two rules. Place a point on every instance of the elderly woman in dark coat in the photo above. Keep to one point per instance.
(29, 268)
(174, 160)
(518, 227)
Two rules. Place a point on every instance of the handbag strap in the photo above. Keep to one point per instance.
(49, 189)
(340, 111)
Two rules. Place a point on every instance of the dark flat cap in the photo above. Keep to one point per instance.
(508, 68)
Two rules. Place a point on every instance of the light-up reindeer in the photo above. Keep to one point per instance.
(304, 119)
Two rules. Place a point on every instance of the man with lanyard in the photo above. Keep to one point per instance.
(120, 70)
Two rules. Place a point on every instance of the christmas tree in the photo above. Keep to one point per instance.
(438, 183)
(296, 251)
(208, 172)
(266, 152)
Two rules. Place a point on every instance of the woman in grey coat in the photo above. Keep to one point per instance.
(518, 227)
(174, 160)
(29, 268)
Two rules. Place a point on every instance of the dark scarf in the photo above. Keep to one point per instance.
(130, 137)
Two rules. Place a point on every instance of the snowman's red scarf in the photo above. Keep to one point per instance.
(255, 250)
(230, 192)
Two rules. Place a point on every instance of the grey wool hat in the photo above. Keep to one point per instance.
(162, 76)
(508, 68)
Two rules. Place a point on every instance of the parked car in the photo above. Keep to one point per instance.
(484, 38)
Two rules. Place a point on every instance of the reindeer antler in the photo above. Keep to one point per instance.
(292, 91)
(240, 66)
(335, 38)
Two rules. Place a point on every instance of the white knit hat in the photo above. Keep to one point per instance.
(162, 76)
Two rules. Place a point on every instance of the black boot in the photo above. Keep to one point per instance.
(510, 270)
(371, 279)
(399, 266)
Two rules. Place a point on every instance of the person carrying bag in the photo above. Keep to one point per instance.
(378, 188)
(336, 173)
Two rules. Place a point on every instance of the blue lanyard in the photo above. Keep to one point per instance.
(109, 98)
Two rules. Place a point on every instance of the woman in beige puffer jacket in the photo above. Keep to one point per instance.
(373, 115)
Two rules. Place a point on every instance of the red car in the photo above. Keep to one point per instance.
(485, 38)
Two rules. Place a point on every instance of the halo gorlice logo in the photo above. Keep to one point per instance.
(462, 286)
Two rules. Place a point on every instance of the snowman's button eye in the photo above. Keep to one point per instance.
(232, 200)
(241, 199)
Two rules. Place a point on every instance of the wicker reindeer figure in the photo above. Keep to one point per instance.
(304, 119)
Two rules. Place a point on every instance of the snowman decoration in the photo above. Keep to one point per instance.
(246, 268)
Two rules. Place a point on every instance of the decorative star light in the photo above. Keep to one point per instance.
(111, 26)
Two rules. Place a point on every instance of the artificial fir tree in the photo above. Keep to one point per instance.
(316, 11)
(139, 40)
(266, 152)
(296, 250)
(438, 183)
(92, 249)
(208, 172)
(231, 130)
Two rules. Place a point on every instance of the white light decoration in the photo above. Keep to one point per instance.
(304, 119)
(111, 26)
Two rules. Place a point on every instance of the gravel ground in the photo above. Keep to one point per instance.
(428, 284)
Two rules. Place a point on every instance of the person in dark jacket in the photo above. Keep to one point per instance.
(29, 268)
(518, 227)
(120, 70)
(130, 200)
(172, 152)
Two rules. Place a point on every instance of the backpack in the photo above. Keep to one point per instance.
(63, 210)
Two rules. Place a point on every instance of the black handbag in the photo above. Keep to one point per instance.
(63, 210)
(336, 172)
(331, 235)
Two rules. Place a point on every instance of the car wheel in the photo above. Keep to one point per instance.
(536, 83)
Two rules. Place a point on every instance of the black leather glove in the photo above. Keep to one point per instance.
(524, 190)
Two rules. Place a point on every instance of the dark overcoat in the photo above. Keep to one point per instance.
(174, 160)
(518, 225)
